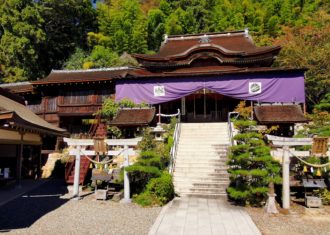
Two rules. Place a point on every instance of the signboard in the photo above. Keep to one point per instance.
(254, 88)
(159, 91)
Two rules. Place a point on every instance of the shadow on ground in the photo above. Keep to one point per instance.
(28, 208)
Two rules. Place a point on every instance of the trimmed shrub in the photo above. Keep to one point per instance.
(145, 199)
(162, 188)
(140, 176)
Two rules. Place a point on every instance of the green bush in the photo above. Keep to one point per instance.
(145, 199)
(147, 142)
(140, 176)
(158, 191)
(162, 188)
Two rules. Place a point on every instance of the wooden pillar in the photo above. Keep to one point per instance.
(159, 112)
(286, 178)
(251, 103)
(19, 161)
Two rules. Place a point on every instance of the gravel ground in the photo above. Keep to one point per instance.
(47, 210)
(299, 221)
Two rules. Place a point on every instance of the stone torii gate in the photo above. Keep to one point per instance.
(79, 148)
(283, 145)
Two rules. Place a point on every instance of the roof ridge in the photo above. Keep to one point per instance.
(209, 34)
(91, 70)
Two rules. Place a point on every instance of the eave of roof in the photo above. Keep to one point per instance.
(209, 71)
(279, 114)
(18, 87)
(134, 117)
(220, 49)
(21, 117)
(83, 76)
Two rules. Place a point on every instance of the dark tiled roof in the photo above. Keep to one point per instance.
(88, 75)
(18, 87)
(269, 114)
(228, 43)
(134, 117)
(25, 118)
(208, 71)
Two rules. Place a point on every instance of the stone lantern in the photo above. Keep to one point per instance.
(158, 132)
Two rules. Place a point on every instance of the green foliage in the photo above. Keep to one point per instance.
(319, 126)
(251, 166)
(162, 188)
(324, 104)
(158, 191)
(76, 60)
(21, 36)
(36, 36)
(110, 107)
(325, 196)
(147, 142)
(309, 47)
(145, 199)
(140, 176)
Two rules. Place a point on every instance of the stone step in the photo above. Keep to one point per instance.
(200, 151)
(200, 164)
(206, 175)
(200, 190)
(203, 195)
(201, 171)
(201, 187)
(201, 154)
(196, 160)
(207, 146)
(207, 184)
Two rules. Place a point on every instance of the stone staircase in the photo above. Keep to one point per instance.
(200, 167)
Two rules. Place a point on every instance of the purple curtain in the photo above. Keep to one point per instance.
(266, 87)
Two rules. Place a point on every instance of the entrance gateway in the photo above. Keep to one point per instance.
(201, 106)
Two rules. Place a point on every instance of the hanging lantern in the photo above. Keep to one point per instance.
(312, 170)
(91, 166)
(305, 169)
(325, 169)
(318, 172)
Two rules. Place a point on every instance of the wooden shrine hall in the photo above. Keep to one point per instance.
(203, 75)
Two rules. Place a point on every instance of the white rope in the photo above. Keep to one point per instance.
(311, 164)
(97, 162)
(168, 115)
(104, 162)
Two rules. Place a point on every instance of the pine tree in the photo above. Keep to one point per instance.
(252, 167)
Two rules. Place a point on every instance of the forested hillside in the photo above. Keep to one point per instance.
(36, 36)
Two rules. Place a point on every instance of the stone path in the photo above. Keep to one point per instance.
(200, 216)
(11, 192)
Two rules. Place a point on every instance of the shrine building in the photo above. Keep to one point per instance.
(203, 75)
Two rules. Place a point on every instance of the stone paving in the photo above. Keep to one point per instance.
(191, 215)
